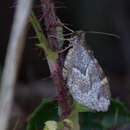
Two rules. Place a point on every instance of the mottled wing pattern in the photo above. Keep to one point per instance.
(104, 81)
(85, 78)
(81, 59)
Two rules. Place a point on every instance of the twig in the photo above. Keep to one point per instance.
(12, 61)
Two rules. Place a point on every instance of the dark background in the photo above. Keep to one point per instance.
(89, 15)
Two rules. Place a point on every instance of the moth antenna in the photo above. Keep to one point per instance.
(103, 33)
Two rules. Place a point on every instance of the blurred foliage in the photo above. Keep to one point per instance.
(50, 125)
(44, 112)
(117, 115)
(80, 108)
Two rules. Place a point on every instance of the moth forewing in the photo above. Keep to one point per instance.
(103, 78)
(84, 76)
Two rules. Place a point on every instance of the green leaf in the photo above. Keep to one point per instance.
(90, 120)
(80, 108)
(51, 55)
(117, 115)
(44, 112)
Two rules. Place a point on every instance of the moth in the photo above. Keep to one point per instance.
(85, 78)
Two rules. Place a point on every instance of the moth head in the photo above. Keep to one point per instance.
(78, 38)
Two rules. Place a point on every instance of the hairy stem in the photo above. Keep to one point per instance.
(51, 23)
(55, 64)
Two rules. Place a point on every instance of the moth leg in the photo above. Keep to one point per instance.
(65, 49)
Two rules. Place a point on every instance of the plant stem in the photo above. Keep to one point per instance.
(54, 63)
(50, 22)
(74, 117)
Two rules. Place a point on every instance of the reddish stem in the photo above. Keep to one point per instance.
(50, 22)
(55, 66)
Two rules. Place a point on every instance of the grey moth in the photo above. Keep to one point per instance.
(85, 78)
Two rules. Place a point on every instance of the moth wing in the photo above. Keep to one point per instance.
(87, 89)
(100, 90)
(103, 79)
(81, 59)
